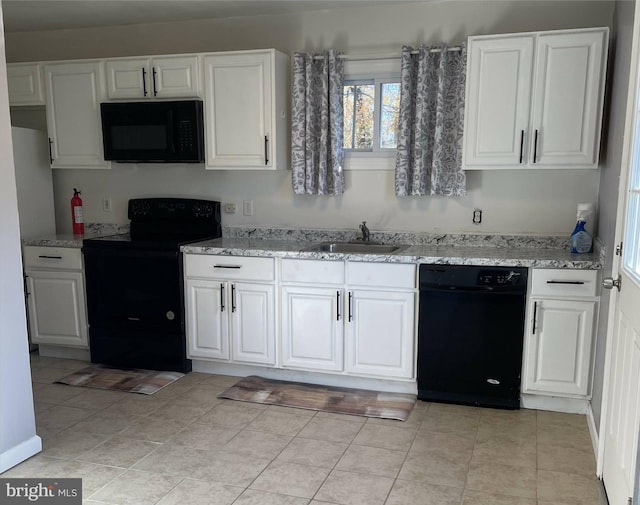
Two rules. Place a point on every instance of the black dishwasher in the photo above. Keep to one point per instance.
(470, 334)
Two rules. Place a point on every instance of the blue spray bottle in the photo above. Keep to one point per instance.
(581, 239)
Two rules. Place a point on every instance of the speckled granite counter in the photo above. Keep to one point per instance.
(92, 230)
(442, 255)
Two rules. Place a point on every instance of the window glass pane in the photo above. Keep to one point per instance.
(349, 107)
(358, 103)
(389, 111)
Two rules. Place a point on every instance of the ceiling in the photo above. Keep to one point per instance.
(35, 15)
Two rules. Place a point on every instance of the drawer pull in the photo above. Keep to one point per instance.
(236, 267)
(574, 283)
(45, 256)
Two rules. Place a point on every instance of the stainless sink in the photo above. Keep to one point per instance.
(354, 247)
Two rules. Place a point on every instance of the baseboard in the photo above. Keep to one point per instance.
(20, 452)
(554, 403)
(408, 386)
(57, 351)
(593, 431)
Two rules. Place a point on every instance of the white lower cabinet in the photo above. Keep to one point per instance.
(230, 307)
(312, 328)
(356, 318)
(207, 322)
(380, 335)
(559, 340)
(55, 296)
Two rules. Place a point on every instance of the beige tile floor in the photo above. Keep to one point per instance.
(184, 446)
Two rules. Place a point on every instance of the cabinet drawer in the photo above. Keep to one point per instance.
(552, 282)
(382, 275)
(229, 267)
(52, 258)
(314, 271)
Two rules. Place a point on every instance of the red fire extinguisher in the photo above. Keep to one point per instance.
(77, 214)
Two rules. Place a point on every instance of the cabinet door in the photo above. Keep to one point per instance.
(74, 91)
(175, 77)
(497, 102)
(312, 328)
(25, 85)
(380, 333)
(206, 319)
(567, 99)
(128, 78)
(253, 336)
(57, 310)
(238, 109)
(559, 346)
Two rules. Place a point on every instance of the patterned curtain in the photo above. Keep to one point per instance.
(316, 124)
(429, 157)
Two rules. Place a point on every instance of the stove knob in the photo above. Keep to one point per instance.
(170, 315)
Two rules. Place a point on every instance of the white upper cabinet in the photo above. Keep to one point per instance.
(245, 108)
(535, 100)
(25, 84)
(73, 94)
(158, 77)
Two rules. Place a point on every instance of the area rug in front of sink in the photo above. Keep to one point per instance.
(132, 380)
(357, 402)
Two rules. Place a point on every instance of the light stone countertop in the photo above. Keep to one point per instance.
(441, 255)
(510, 251)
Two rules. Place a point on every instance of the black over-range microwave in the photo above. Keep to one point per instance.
(153, 131)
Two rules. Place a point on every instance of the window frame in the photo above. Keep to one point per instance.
(365, 71)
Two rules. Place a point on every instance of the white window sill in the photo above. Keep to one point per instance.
(370, 160)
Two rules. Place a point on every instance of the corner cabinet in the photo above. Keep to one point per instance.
(245, 95)
(534, 100)
(559, 337)
(56, 296)
(25, 84)
(230, 308)
(73, 95)
(157, 77)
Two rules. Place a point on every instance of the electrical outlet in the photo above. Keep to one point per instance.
(247, 207)
(230, 208)
(477, 216)
(106, 204)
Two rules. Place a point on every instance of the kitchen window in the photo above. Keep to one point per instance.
(371, 99)
(371, 110)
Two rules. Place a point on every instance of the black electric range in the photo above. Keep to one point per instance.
(134, 283)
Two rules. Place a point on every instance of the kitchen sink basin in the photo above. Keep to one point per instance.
(354, 247)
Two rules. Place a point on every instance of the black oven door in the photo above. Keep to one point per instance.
(132, 289)
(135, 308)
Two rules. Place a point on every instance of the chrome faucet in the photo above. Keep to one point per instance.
(365, 231)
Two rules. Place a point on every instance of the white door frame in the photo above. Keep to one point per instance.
(627, 154)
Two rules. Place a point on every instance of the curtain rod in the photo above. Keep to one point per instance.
(385, 56)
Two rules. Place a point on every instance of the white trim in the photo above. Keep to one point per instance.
(554, 403)
(632, 96)
(58, 351)
(593, 431)
(239, 370)
(18, 453)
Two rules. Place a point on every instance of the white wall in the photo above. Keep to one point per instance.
(513, 202)
(18, 439)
